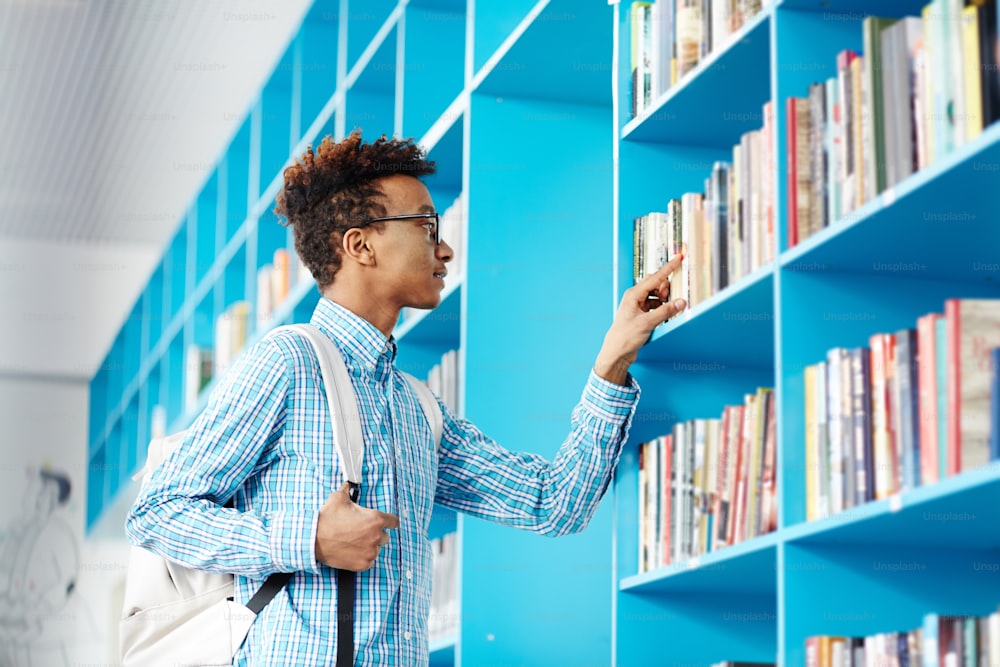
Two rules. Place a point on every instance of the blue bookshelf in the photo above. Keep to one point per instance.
(875, 567)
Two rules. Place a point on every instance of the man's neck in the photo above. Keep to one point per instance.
(361, 303)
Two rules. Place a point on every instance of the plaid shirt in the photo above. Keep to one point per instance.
(265, 441)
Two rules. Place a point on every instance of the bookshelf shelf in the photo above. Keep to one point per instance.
(956, 511)
(746, 568)
(734, 326)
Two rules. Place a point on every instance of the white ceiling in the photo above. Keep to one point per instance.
(112, 115)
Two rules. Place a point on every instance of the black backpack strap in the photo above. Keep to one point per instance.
(268, 590)
(345, 618)
(345, 604)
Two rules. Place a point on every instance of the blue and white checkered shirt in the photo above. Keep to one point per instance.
(265, 440)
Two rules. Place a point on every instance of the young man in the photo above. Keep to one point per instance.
(366, 228)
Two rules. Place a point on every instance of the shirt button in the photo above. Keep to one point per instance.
(407, 635)
(405, 513)
(409, 574)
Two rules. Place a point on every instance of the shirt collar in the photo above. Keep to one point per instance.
(356, 336)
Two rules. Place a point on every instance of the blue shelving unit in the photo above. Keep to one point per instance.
(877, 567)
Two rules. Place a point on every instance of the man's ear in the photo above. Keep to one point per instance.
(356, 245)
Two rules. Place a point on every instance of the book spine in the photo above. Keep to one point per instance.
(971, 68)
(995, 405)
(906, 378)
(941, 351)
(952, 313)
(792, 182)
(812, 444)
(834, 426)
(863, 459)
(927, 397)
(880, 408)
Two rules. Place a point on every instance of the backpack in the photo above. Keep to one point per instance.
(177, 616)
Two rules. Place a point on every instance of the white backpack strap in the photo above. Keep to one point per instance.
(430, 405)
(340, 396)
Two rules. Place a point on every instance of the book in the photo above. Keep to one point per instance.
(907, 417)
(799, 180)
(718, 224)
(927, 389)
(847, 160)
(995, 404)
(941, 354)
(861, 398)
(281, 276)
(988, 61)
(822, 441)
(689, 35)
(817, 158)
(641, 33)
(883, 481)
(924, 62)
(872, 28)
(666, 496)
(859, 105)
(768, 521)
(973, 330)
(812, 444)
(835, 428)
(971, 73)
(197, 373)
(832, 147)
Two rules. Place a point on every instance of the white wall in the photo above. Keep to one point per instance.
(44, 425)
(62, 303)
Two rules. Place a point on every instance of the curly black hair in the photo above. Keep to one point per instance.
(331, 189)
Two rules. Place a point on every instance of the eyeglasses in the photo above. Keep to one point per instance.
(413, 216)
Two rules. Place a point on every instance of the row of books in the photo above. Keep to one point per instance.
(670, 37)
(274, 282)
(708, 484)
(443, 620)
(202, 363)
(725, 232)
(941, 641)
(922, 87)
(443, 379)
(911, 408)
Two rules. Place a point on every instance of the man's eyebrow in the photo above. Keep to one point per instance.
(427, 208)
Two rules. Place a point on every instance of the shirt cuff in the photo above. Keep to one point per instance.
(608, 400)
(292, 541)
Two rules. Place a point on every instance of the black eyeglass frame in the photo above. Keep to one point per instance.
(436, 217)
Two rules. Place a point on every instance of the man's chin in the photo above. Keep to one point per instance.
(429, 303)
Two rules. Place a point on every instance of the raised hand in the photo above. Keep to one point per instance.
(644, 307)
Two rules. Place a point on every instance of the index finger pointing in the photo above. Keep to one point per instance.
(649, 282)
(389, 520)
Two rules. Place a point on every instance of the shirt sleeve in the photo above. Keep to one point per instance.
(179, 513)
(478, 477)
